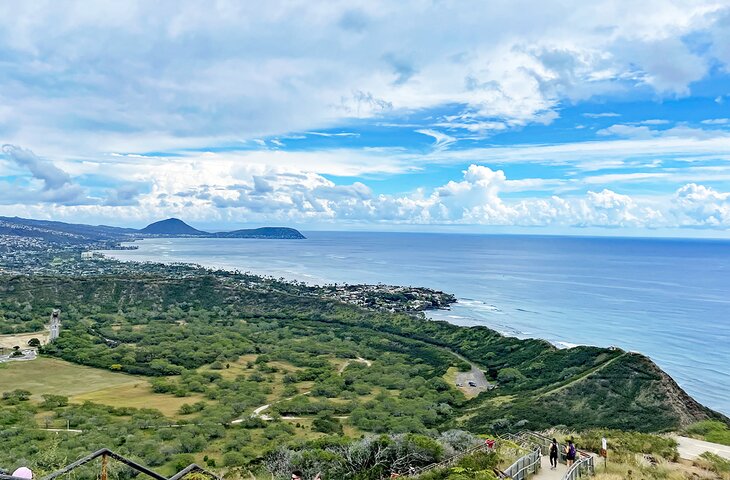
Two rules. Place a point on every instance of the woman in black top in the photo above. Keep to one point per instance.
(554, 455)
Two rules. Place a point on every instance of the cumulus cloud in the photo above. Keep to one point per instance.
(698, 205)
(481, 196)
(158, 76)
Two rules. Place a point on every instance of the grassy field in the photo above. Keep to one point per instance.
(138, 395)
(79, 383)
(21, 339)
(51, 375)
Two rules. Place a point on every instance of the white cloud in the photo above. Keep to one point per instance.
(697, 205)
(265, 195)
(442, 140)
(716, 121)
(628, 131)
(53, 177)
(601, 115)
(145, 76)
(335, 134)
(654, 121)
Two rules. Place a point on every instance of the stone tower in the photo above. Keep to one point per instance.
(55, 327)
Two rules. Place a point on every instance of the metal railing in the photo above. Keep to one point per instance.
(584, 466)
(106, 454)
(451, 460)
(525, 465)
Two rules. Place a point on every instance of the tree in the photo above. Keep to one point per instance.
(325, 423)
(183, 460)
(34, 342)
(54, 401)
(16, 396)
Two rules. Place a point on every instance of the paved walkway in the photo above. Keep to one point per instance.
(690, 448)
(547, 474)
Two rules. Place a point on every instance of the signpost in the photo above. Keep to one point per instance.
(604, 452)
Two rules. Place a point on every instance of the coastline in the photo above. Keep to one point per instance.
(519, 315)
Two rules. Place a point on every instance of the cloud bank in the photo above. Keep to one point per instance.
(309, 112)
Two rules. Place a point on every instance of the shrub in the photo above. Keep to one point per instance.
(710, 430)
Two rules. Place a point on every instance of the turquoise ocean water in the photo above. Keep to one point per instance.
(666, 298)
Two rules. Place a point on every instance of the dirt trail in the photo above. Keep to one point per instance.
(583, 376)
(358, 359)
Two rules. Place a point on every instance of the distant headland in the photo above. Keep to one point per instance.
(176, 227)
(79, 234)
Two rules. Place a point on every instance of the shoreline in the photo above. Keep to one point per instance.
(673, 356)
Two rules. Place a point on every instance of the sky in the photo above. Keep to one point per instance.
(603, 117)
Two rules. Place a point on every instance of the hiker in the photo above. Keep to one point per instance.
(570, 453)
(554, 454)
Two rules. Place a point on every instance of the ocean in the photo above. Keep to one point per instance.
(665, 298)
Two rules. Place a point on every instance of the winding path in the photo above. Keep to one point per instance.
(583, 376)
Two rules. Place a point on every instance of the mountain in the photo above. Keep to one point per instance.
(264, 232)
(171, 226)
(176, 227)
(79, 234)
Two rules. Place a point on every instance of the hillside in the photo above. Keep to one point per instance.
(264, 232)
(60, 232)
(583, 387)
(171, 226)
(72, 234)
(215, 348)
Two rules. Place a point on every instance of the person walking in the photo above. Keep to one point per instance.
(554, 454)
(570, 453)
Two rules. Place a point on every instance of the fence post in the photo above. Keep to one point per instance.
(103, 467)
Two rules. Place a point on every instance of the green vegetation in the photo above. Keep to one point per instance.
(711, 431)
(19, 317)
(714, 463)
(46, 375)
(623, 445)
(166, 368)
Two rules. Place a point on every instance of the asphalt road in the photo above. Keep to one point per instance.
(690, 448)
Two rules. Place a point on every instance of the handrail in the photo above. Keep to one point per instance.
(584, 465)
(525, 465)
(105, 453)
(445, 463)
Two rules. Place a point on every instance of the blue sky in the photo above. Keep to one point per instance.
(598, 118)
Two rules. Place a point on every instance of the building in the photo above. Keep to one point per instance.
(55, 326)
